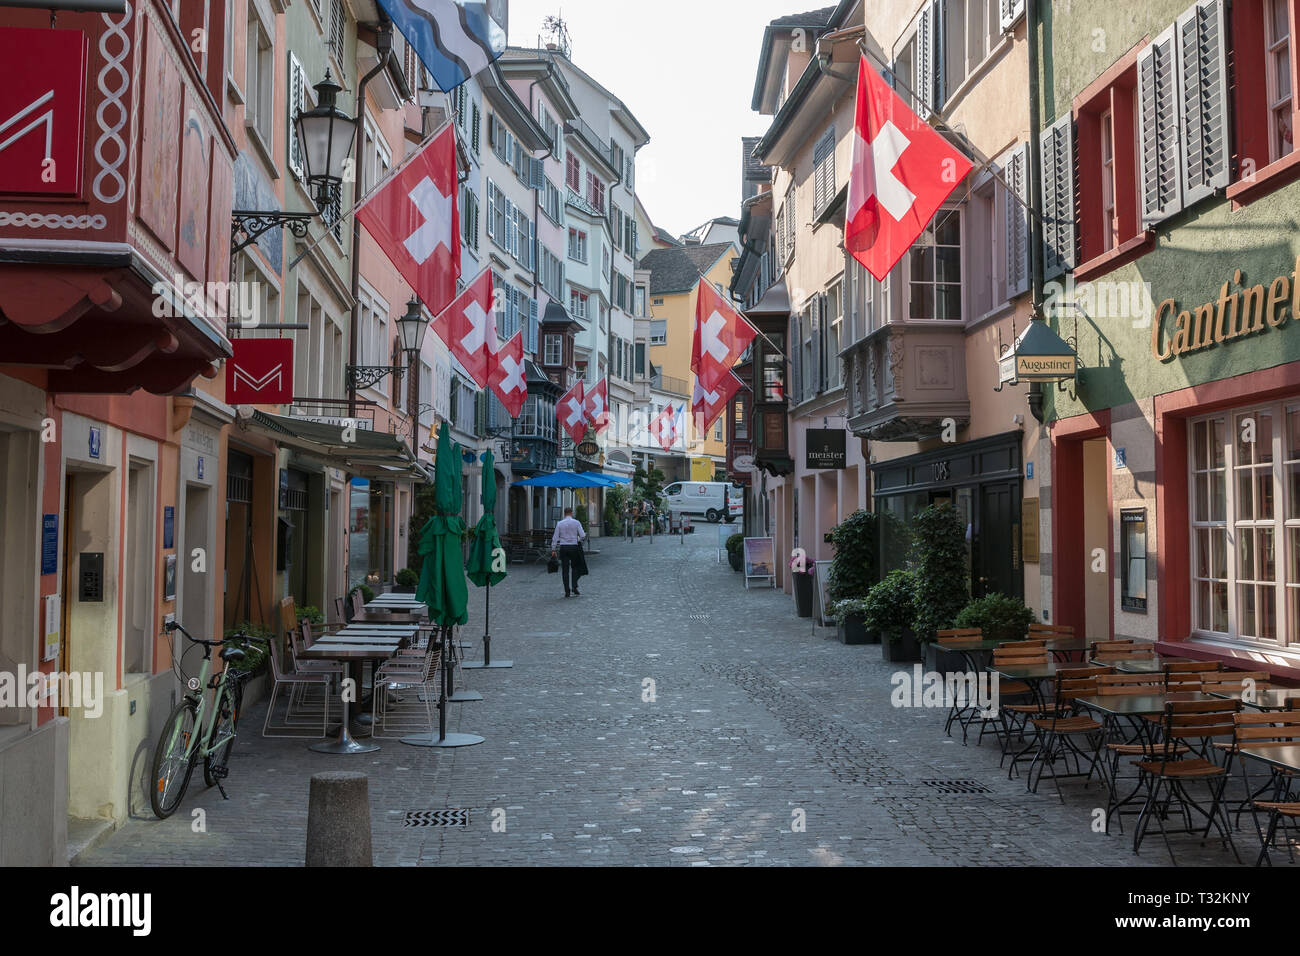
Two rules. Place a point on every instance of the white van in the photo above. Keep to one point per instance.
(713, 500)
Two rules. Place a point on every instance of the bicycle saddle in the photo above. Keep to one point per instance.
(231, 654)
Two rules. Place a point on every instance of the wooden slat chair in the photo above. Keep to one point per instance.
(1050, 630)
(1235, 682)
(1135, 744)
(300, 638)
(1193, 724)
(1264, 731)
(1015, 716)
(1058, 733)
(1114, 652)
(955, 639)
(1187, 675)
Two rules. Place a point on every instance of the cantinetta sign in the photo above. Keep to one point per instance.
(1233, 315)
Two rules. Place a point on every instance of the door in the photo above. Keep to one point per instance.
(997, 555)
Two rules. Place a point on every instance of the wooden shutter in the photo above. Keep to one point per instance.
(824, 170)
(1158, 157)
(1016, 173)
(297, 102)
(923, 80)
(531, 344)
(1057, 171)
(492, 130)
(1203, 99)
(474, 129)
(1009, 11)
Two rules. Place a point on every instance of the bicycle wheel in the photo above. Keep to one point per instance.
(173, 761)
(214, 764)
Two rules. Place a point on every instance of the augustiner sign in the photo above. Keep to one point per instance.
(1233, 315)
(1039, 355)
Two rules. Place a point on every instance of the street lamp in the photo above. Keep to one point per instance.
(325, 135)
(410, 334)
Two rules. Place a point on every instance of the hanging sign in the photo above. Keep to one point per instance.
(825, 448)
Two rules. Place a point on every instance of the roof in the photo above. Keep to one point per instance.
(617, 106)
(818, 20)
(678, 268)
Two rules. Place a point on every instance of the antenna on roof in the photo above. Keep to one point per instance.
(556, 32)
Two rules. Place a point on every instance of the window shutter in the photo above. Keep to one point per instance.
(1016, 174)
(492, 130)
(297, 93)
(538, 178)
(474, 129)
(1057, 165)
(532, 245)
(531, 345)
(923, 80)
(814, 376)
(492, 212)
(1009, 11)
(824, 170)
(794, 350)
(1158, 159)
(1202, 56)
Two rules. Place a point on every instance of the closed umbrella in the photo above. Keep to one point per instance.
(442, 577)
(484, 548)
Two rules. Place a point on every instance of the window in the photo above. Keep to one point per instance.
(616, 225)
(554, 354)
(297, 102)
(1245, 516)
(1133, 558)
(469, 217)
(935, 269)
(498, 283)
(638, 302)
(496, 216)
(740, 421)
(595, 193)
(834, 335)
(1110, 224)
(717, 431)
(551, 201)
(638, 358)
(338, 35)
(773, 376)
(578, 305)
(1277, 47)
(573, 173)
(376, 157)
(259, 80)
(525, 239)
(658, 331)
(551, 274)
(577, 245)
(971, 29)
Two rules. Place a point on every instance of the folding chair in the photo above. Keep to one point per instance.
(955, 639)
(1058, 733)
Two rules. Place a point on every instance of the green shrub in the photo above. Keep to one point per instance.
(615, 504)
(735, 544)
(848, 607)
(367, 595)
(854, 568)
(890, 605)
(939, 561)
(407, 578)
(254, 654)
(1001, 618)
(313, 614)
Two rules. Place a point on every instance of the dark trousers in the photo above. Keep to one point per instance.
(572, 566)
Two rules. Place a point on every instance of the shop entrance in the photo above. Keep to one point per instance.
(19, 453)
(1081, 528)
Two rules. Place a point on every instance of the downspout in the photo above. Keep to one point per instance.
(1035, 195)
(384, 46)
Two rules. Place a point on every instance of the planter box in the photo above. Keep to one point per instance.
(905, 650)
(402, 590)
(851, 630)
(255, 688)
(803, 594)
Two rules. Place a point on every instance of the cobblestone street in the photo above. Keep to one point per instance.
(759, 719)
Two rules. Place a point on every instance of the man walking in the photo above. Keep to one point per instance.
(567, 543)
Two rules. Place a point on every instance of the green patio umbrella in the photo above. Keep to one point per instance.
(442, 577)
(485, 544)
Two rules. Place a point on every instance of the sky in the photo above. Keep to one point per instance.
(685, 68)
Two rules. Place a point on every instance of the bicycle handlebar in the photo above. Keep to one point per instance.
(237, 636)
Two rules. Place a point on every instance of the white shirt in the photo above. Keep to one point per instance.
(568, 531)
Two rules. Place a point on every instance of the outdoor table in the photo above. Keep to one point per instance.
(1284, 761)
(1273, 699)
(351, 653)
(1033, 675)
(1063, 645)
(1151, 666)
(1133, 707)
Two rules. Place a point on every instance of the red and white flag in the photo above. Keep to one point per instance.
(572, 412)
(506, 374)
(468, 327)
(721, 336)
(708, 403)
(902, 172)
(596, 406)
(664, 428)
(414, 219)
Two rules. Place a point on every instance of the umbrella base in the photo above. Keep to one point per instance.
(479, 665)
(451, 740)
(348, 745)
(464, 697)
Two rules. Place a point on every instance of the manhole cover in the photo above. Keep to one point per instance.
(687, 849)
(957, 786)
(436, 818)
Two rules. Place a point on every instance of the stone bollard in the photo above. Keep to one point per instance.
(338, 820)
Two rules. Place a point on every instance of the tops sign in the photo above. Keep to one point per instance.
(1232, 316)
(825, 448)
(42, 110)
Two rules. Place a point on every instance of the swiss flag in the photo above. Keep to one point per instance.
(708, 403)
(414, 219)
(571, 411)
(468, 327)
(664, 428)
(721, 336)
(506, 375)
(902, 172)
(596, 406)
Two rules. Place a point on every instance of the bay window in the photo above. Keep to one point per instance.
(935, 269)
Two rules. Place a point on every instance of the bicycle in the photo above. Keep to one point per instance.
(180, 744)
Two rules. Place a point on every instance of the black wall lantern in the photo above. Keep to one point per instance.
(410, 334)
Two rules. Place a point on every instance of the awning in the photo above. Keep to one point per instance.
(359, 451)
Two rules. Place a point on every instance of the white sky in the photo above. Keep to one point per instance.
(685, 68)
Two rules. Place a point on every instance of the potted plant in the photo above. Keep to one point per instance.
(890, 608)
(254, 667)
(854, 569)
(850, 615)
(736, 552)
(406, 581)
(1001, 618)
(939, 562)
(801, 578)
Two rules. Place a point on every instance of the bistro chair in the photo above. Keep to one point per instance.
(397, 714)
(1193, 724)
(1137, 742)
(1015, 717)
(1057, 734)
(1264, 731)
(300, 638)
(297, 715)
(1235, 682)
(954, 639)
(1057, 630)
(1113, 652)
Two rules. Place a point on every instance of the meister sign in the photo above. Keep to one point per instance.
(825, 448)
(1233, 315)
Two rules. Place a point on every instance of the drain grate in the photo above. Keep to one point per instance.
(699, 617)
(436, 818)
(957, 786)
